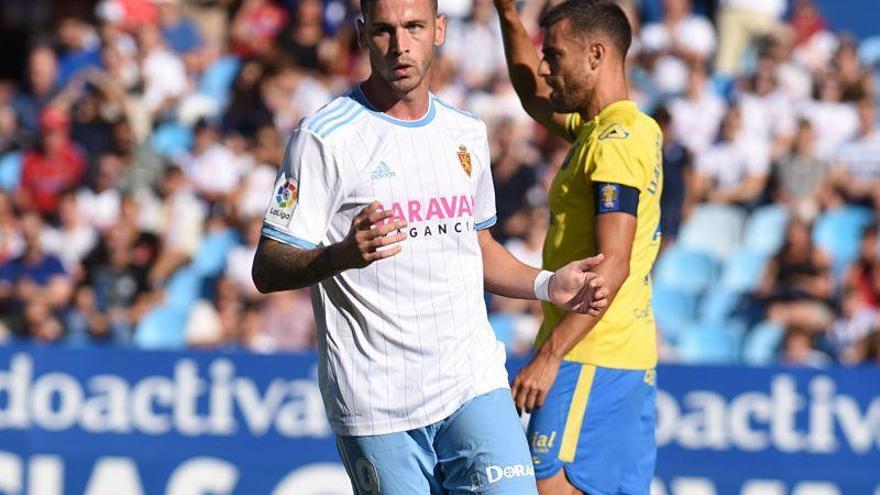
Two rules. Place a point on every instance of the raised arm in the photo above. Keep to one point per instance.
(522, 65)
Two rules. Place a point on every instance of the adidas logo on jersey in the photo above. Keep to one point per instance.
(382, 171)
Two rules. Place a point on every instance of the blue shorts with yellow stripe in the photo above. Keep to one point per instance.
(597, 424)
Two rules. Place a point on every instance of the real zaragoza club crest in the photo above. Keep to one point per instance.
(465, 159)
(286, 195)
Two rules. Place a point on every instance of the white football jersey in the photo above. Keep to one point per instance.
(406, 341)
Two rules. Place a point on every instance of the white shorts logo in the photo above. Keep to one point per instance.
(497, 473)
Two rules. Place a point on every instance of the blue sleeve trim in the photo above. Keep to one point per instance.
(277, 235)
(485, 224)
(615, 198)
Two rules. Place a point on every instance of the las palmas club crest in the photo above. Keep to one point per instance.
(464, 157)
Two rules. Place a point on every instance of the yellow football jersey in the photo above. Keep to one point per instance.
(624, 146)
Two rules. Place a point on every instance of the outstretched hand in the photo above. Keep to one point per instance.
(577, 289)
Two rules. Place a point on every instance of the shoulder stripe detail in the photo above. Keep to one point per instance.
(350, 108)
(350, 118)
(322, 112)
(463, 112)
(320, 119)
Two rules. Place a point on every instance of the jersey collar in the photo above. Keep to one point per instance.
(426, 119)
(620, 106)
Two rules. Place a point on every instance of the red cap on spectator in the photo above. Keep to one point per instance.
(54, 119)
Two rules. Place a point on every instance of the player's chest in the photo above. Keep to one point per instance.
(418, 171)
(571, 188)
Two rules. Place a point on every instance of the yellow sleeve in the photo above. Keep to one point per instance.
(573, 124)
(615, 161)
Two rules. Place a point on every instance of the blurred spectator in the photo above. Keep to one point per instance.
(55, 165)
(734, 170)
(39, 88)
(241, 259)
(834, 121)
(863, 277)
(740, 23)
(288, 323)
(180, 33)
(81, 48)
(73, 238)
(798, 350)
(697, 115)
(856, 173)
(529, 245)
(304, 39)
(678, 178)
(800, 177)
(180, 223)
(512, 178)
(255, 26)
(767, 112)
(141, 166)
(35, 276)
(11, 241)
(681, 37)
(796, 286)
(259, 179)
(476, 67)
(248, 110)
(100, 203)
(163, 72)
(211, 167)
(855, 322)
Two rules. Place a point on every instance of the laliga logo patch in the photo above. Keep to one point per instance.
(286, 195)
(281, 210)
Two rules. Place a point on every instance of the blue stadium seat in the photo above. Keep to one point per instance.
(685, 269)
(674, 309)
(163, 327)
(765, 229)
(183, 288)
(709, 343)
(713, 229)
(839, 232)
(869, 51)
(217, 80)
(210, 260)
(171, 139)
(10, 170)
(719, 305)
(742, 271)
(761, 345)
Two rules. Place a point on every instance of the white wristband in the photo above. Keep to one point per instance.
(542, 285)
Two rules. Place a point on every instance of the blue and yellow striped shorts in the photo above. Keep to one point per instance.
(597, 424)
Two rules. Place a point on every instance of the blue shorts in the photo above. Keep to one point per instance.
(597, 424)
(481, 449)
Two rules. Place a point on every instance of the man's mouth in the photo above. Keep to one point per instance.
(401, 69)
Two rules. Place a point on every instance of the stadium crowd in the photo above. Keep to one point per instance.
(139, 147)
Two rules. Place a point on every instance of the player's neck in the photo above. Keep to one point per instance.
(408, 106)
(607, 93)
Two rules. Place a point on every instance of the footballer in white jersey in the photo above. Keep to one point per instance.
(382, 206)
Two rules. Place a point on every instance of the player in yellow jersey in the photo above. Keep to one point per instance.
(591, 384)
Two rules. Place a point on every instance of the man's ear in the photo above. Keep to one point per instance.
(440, 30)
(361, 29)
(597, 53)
